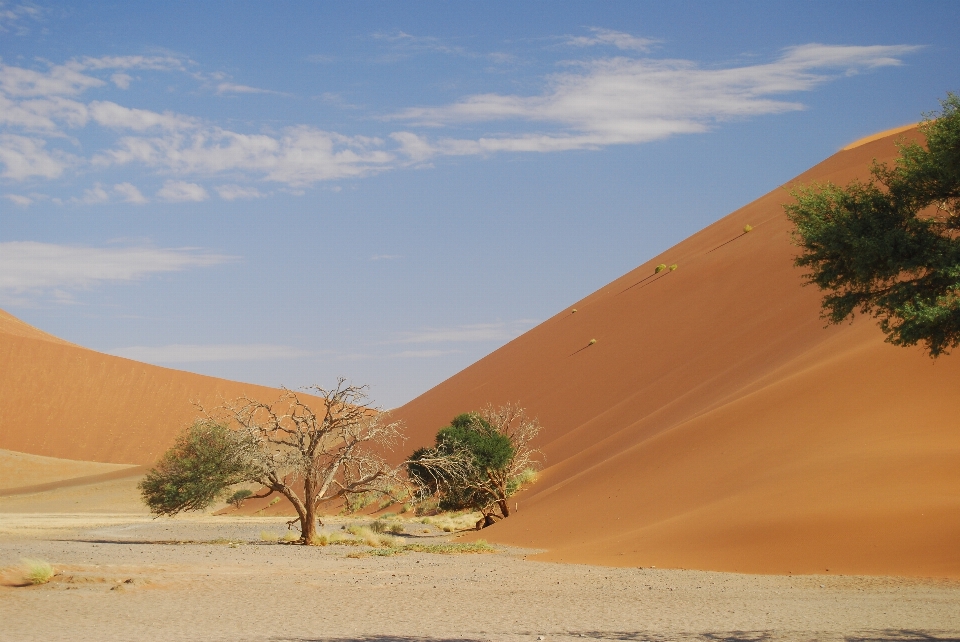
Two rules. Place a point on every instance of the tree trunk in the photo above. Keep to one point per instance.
(504, 508)
(308, 524)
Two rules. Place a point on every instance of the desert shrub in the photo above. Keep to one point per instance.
(660, 268)
(396, 528)
(267, 536)
(238, 497)
(204, 462)
(673, 267)
(379, 526)
(747, 228)
(290, 536)
(592, 341)
(36, 571)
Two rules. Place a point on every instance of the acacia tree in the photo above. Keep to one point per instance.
(480, 461)
(891, 247)
(308, 456)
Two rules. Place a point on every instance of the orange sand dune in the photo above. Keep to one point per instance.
(715, 423)
(61, 400)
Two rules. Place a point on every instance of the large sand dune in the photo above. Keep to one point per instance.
(716, 424)
(60, 400)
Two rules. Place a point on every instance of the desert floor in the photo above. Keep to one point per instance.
(128, 577)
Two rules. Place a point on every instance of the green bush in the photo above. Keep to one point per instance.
(204, 462)
(238, 497)
(660, 268)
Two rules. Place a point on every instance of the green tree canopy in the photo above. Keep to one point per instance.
(890, 247)
(206, 460)
(478, 461)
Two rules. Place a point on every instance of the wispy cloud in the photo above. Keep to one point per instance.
(233, 192)
(232, 88)
(129, 193)
(628, 100)
(28, 265)
(187, 353)
(18, 199)
(181, 192)
(618, 39)
(14, 17)
(631, 98)
(500, 331)
(27, 157)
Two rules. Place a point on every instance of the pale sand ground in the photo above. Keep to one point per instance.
(118, 581)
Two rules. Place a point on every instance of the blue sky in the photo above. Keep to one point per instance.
(285, 193)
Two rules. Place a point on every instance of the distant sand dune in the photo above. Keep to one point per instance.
(61, 400)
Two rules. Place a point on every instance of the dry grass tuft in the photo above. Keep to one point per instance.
(268, 536)
(36, 571)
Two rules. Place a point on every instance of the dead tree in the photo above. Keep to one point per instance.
(333, 452)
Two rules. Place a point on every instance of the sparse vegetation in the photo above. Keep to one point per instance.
(333, 452)
(747, 228)
(36, 571)
(268, 536)
(660, 268)
(673, 267)
(592, 341)
(479, 461)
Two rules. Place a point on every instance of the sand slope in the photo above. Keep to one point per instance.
(716, 424)
(60, 400)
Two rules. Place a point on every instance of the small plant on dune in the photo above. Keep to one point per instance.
(592, 341)
(267, 536)
(673, 267)
(660, 268)
(238, 497)
(36, 571)
(747, 228)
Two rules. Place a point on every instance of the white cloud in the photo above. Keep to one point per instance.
(301, 156)
(157, 63)
(231, 88)
(182, 191)
(110, 114)
(95, 194)
(18, 199)
(186, 353)
(618, 39)
(129, 193)
(25, 157)
(471, 333)
(628, 100)
(121, 80)
(233, 192)
(27, 265)
(12, 17)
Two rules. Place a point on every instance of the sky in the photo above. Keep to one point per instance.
(285, 193)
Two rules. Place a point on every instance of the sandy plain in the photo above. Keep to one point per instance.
(130, 577)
